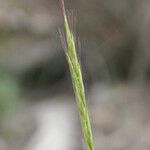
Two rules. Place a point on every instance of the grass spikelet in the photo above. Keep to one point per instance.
(69, 44)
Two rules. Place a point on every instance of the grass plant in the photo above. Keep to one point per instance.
(69, 44)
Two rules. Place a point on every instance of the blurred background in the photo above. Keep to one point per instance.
(37, 106)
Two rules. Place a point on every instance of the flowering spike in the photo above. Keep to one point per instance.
(62, 4)
(70, 44)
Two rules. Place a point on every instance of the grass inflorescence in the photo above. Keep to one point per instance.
(69, 44)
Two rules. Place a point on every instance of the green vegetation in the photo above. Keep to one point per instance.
(69, 45)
